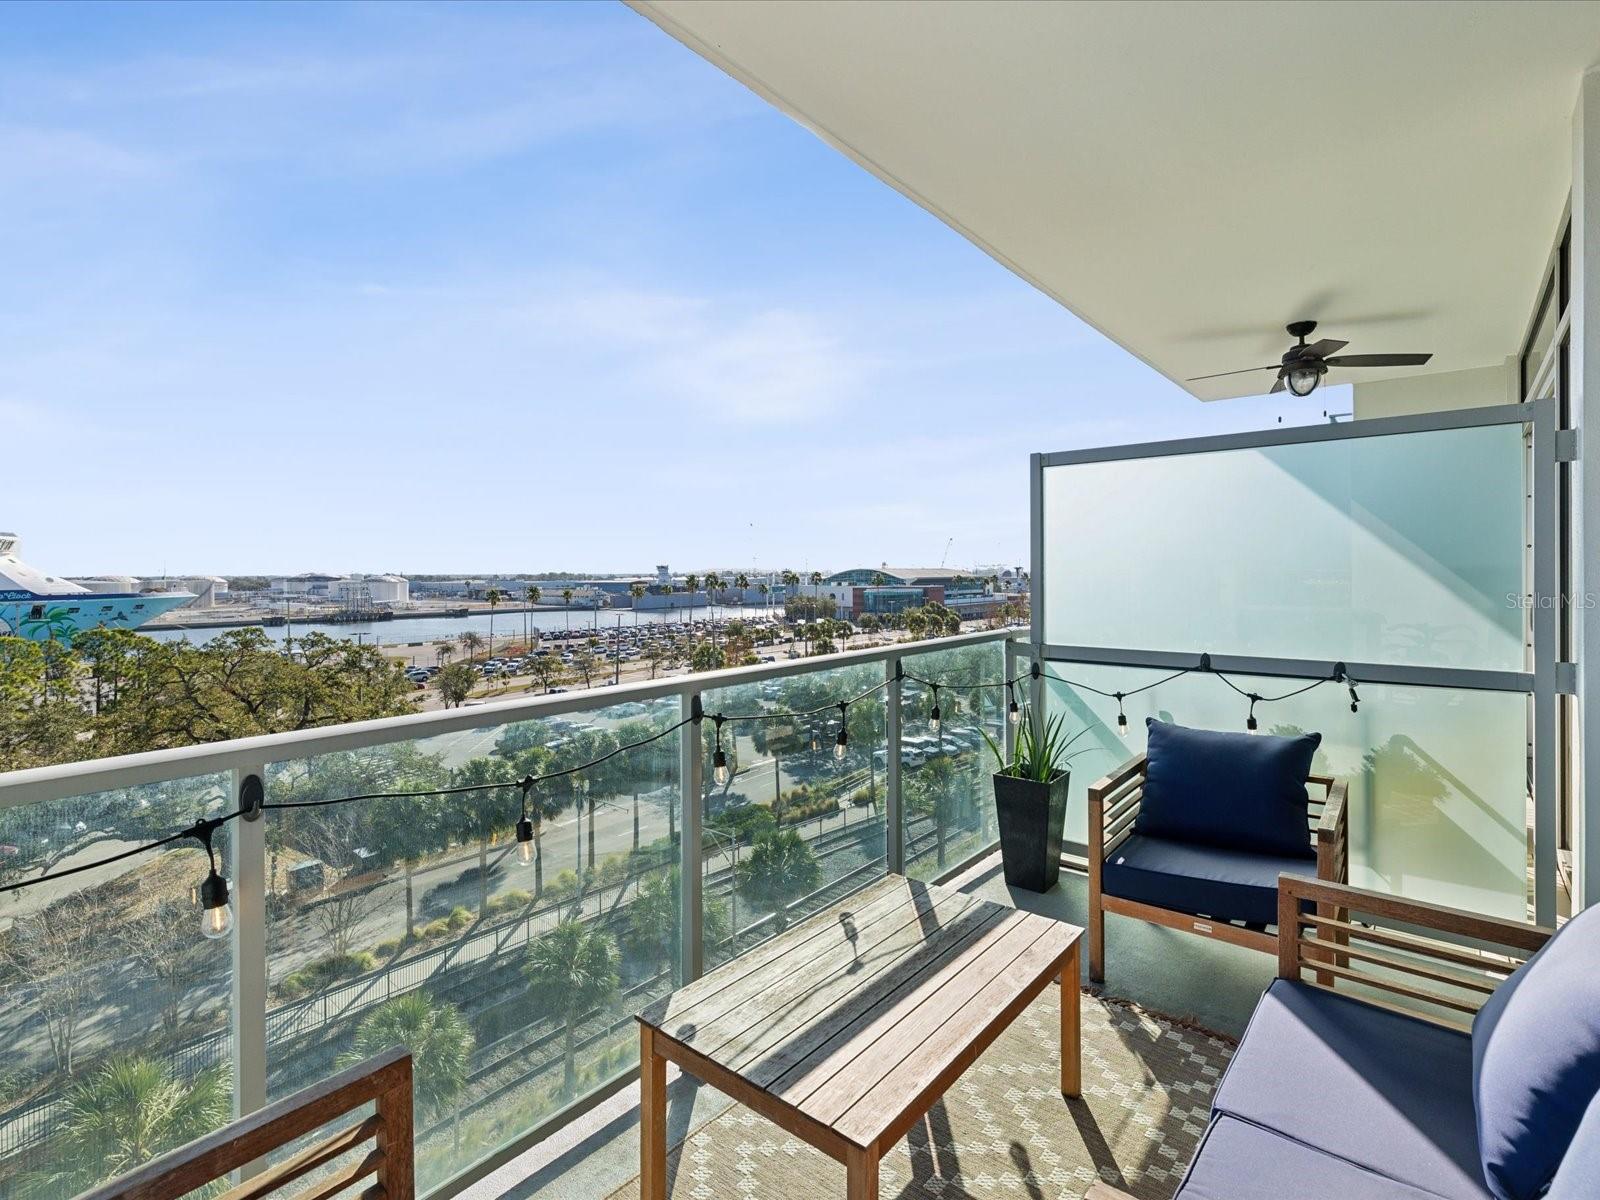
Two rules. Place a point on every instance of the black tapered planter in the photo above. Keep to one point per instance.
(1031, 815)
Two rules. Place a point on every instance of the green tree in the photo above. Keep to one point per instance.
(493, 596)
(124, 1114)
(571, 972)
(531, 593)
(651, 936)
(932, 793)
(437, 1035)
(481, 817)
(405, 831)
(638, 592)
(471, 643)
(779, 870)
(546, 671)
(455, 683)
(566, 603)
(865, 723)
(706, 656)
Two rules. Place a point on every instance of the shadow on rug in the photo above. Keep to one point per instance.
(1004, 1128)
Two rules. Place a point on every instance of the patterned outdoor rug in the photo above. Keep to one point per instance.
(1004, 1128)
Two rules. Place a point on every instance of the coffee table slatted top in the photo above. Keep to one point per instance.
(863, 1014)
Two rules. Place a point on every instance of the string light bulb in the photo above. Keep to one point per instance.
(1122, 717)
(933, 715)
(1013, 713)
(842, 742)
(525, 829)
(216, 913)
(1355, 700)
(719, 758)
(1250, 721)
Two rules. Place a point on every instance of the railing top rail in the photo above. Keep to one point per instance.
(41, 784)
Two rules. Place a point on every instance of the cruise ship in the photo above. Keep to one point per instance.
(45, 608)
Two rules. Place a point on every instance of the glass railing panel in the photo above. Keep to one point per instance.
(115, 1013)
(946, 774)
(415, 919)
(1437, 776)
(1400, 548)
(795, 827)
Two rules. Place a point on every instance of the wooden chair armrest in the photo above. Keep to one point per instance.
(1333, 829)
(1384, 954)
(1136, 765)
(1098, 791)
(1104, 1191)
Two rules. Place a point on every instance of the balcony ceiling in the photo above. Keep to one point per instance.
(1187, 178)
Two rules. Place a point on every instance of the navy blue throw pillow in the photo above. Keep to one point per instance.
(1536, 1061)
(1241, 791)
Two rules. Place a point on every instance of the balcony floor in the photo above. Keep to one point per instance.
(1178, 975)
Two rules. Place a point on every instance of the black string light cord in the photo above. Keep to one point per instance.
(215, 888)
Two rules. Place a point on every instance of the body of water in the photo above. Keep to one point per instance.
(508, 626)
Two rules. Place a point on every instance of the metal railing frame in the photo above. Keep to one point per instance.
(1544, 678)
(248, 759)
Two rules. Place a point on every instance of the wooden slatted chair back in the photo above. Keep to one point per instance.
(377, 1147)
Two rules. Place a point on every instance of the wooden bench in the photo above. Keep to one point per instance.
(845, 1030)
(383, 1081)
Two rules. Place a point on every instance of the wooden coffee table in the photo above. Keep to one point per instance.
(845, 1029)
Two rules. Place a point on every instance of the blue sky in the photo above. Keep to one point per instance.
(495, 288)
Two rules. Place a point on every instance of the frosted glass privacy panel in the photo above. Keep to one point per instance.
(1403, 548)
(1438, 777)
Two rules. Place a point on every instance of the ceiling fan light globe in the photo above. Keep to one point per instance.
(1303, 381)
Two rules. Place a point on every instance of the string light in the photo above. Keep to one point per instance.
(525, 829)
(719, 759)
(216, 913)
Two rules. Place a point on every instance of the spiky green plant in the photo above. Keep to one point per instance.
(1040, 751)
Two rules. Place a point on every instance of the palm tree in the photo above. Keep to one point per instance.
(493, 597)
(766, 597)
(471, 643)
(780, 869)
(714, 584)
(566, 599)
(691, 584)
(532, 594)
(437, 1035)
(127, 1112)
(637, 591)
(571, 971)
(933, 795)
(816, 583)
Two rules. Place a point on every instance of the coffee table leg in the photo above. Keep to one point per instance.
(861, 1172)
(652, 1118)
(1071, 1027)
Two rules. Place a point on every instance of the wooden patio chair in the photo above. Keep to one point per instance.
(336, 1162)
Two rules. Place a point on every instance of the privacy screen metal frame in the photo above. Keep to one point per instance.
(1544, 678)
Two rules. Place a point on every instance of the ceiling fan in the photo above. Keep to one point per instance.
(1304, 364)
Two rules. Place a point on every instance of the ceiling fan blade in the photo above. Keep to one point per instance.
(1326, 347)
(1245, 371)
(1277, 384)
(1378, 360)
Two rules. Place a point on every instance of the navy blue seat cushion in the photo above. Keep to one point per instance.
(1379, 1089)
(1536, 1059)
(1226, 885)
(1578, 1176)
(1236, 790)
(1240, 1161)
